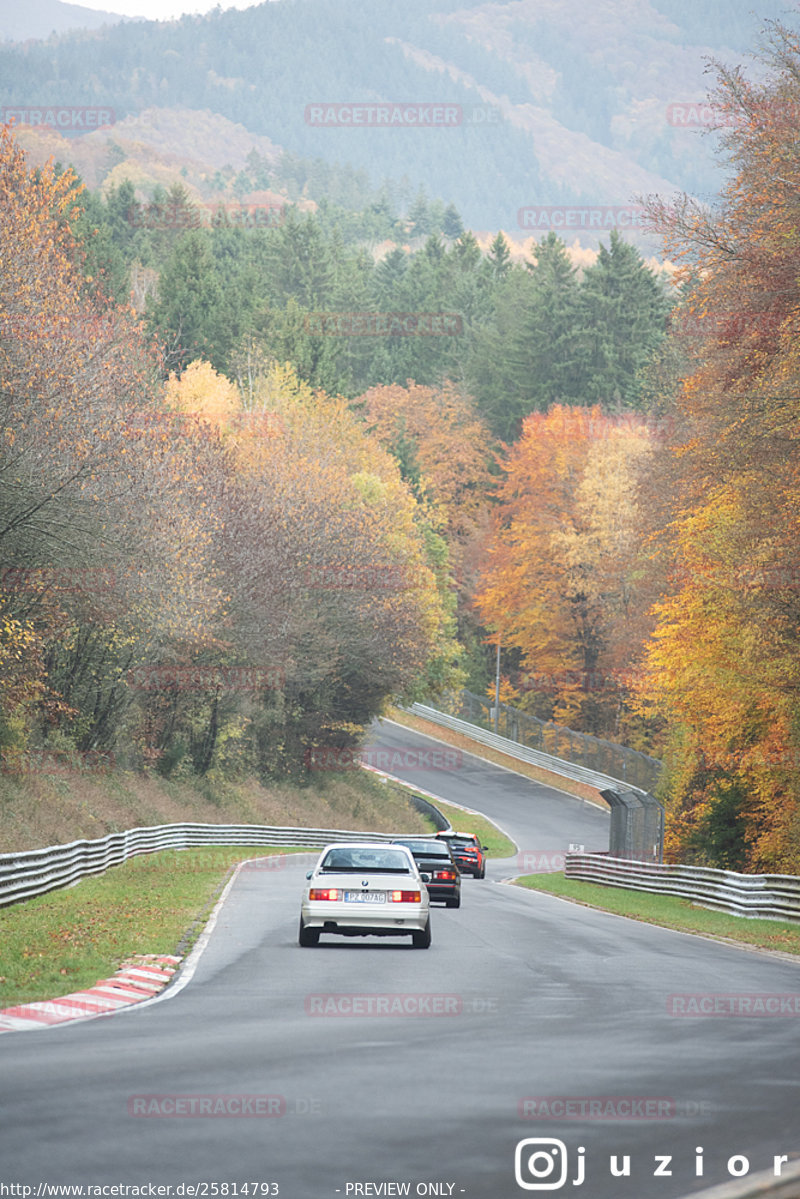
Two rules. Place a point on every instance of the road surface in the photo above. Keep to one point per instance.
(524, 1006)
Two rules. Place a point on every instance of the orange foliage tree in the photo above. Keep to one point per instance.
(179, 569)
(723, 666)
(444, 449)
(91, 568)
(442, 444)
(560, 581)
(330, 596)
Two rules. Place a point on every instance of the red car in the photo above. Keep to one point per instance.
(468, 852)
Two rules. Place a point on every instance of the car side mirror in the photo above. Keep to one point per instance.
(426, 878)
(310, 874)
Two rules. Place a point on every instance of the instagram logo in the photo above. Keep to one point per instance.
(540, 1164)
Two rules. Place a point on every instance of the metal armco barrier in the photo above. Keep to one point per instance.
(637, 818)
(523, 753)
(37, 871)
(764, 896)
(629, 766)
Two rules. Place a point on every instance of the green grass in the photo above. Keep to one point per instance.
(41, 809)
(670, 912)
(70, 939)
(158, 903)
(488, 834)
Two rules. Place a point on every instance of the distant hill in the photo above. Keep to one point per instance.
(40, 18)
(558, 103)
(156, 146)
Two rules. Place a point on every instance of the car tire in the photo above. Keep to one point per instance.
(453, 903)
(482, 872)
(422, 938)
(307, 937)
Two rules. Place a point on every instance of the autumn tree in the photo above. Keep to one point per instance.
(442, 444)
(723, 662)
(559, 586)
(330, 575)
(332, 600)
(91, 570)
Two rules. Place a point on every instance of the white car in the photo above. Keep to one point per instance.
(362, 889)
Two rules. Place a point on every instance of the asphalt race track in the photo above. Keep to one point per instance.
(523, 1006)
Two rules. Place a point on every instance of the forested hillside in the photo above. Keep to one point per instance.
(41, 18)
(269, 464)
(516, 336)
(559, 102)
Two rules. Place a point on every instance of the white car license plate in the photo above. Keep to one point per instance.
(365, 897)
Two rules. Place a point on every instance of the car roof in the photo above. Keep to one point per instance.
(357, 845)
(431, 846)
(416, 841)
(373, 845)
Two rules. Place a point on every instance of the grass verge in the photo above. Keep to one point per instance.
(57, 805)
(156, 903)
(498, 845)
(669, 911)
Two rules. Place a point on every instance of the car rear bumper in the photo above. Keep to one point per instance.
(378, 921)
(445, 891)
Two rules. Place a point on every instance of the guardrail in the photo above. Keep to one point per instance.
(619, 762)
(763, 896)
(37, 871)
(637, 817)
(523, 753)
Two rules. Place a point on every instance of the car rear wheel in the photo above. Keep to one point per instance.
(308, 936)
(453, 903)
(422, 939)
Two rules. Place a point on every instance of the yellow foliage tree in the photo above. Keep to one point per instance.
(559, 581)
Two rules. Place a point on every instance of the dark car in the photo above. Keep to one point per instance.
(468, 852)
(436, 862)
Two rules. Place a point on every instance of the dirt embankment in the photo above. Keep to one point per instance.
(51, 807)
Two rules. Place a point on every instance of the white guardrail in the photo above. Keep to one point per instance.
(763, 896)
(523, 753)
(37, 871)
